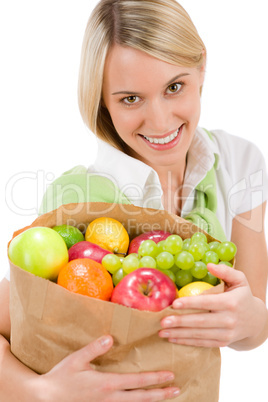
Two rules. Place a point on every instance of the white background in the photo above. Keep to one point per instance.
(42, 133)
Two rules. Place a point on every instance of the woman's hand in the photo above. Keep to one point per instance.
(73, 379)
(234, 318)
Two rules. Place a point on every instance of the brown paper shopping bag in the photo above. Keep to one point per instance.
(48, 322)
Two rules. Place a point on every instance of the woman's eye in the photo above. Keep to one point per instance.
(173, 88)
(130, 100)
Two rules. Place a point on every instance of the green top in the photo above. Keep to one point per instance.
(77, 185)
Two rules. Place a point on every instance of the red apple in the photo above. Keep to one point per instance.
(145, 289)
(155, 235)
(86, 249)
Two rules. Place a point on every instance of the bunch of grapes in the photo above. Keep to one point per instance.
(184, 261)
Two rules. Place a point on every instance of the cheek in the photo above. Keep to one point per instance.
(190, 108)
(117, 117)
(123, 121)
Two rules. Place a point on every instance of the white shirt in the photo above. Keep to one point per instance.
(241, 176)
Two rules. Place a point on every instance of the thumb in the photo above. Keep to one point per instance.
(232, 277)
(82, 357)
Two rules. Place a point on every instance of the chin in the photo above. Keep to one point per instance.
(175, 161)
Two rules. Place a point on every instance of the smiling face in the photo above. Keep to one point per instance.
(154, 105)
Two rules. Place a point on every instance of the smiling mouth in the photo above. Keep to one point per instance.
(165, 140)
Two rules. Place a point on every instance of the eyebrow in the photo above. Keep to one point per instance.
(122, 92)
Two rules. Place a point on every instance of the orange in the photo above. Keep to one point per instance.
(109, 234)
(86, 277)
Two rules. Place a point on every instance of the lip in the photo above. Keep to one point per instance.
(164, 147)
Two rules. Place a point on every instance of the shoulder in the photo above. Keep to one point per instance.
(77, 185)
(237, 155)
(228, 143)
(79, 169)
(241, 171)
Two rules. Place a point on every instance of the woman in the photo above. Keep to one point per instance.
(148, 107)
(142, 72)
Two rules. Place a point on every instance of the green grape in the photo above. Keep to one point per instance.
(159, 247)
(199, 270)
(165, 260)
(226, 263)
(134, 254)
(174, 269)
(196, 279)
(183, 277)
(226, 251)
(197, 250)
(121, 258)
(210, 256)
(184, 260)
(209, 278)
(199, 236)
(213, 245)
(186, 244)
(147, 262)
(169, 273)
(173, 244)
(130, 263)
(147, 247)
(118, 276)
(111, 262)
(206, 246)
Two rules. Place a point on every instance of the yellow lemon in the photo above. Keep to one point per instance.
(194, 289)
(109, 234)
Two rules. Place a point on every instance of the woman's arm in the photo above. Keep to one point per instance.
(248, 233)
(73, 379)
(237, 318)
(17, 382)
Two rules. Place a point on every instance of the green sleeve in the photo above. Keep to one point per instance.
(77, 185)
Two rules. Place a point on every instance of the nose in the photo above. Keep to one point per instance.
(158, 116)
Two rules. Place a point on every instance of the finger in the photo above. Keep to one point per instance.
(206, 343)
(140, 380)
(212, 302)
(81, 358)
(152, 395)
(200, 320)
(218, 334)
(229, 275)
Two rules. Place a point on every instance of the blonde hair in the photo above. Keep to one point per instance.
(161, 28)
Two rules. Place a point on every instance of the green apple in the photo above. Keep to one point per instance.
(39, 250)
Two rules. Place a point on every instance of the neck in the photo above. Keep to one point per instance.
(172, 175)
(171, 179)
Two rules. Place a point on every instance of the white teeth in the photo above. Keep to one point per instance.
(165, 140)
